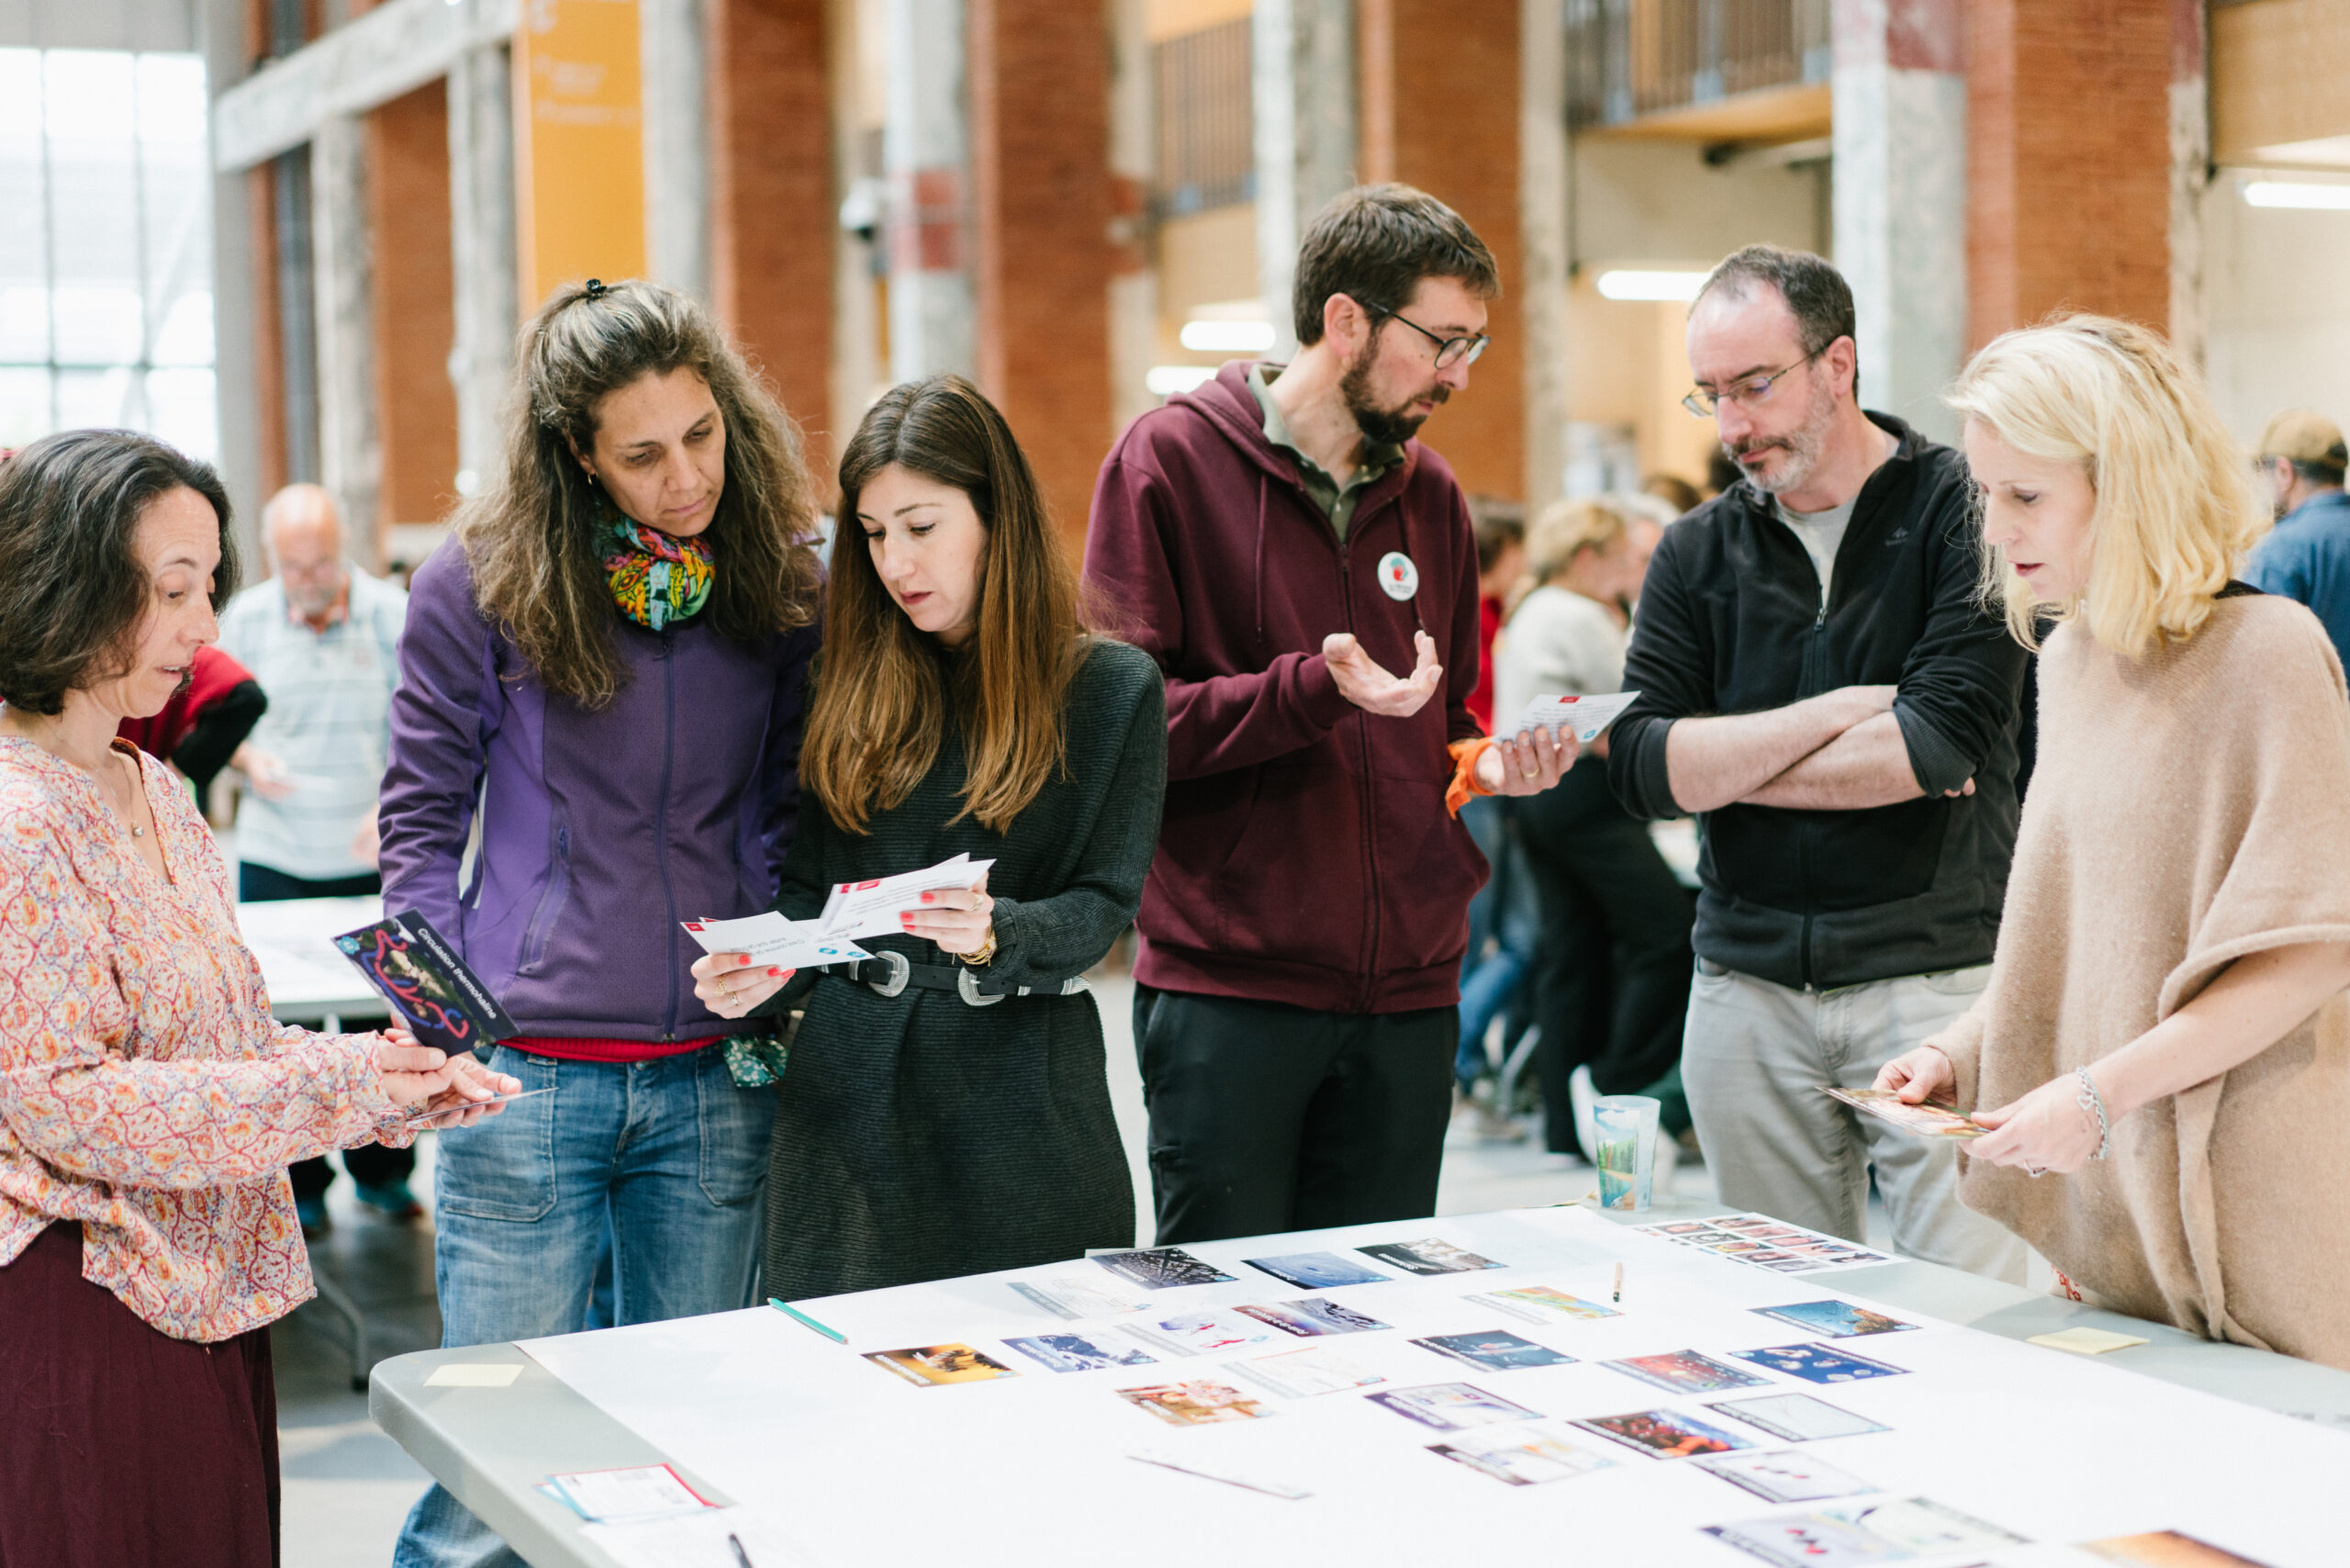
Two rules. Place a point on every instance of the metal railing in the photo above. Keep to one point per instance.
(1206, 125)
(1630, 57)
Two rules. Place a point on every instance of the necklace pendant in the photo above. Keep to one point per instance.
(137, 832)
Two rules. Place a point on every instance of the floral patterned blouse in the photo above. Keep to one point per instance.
(145, 1091)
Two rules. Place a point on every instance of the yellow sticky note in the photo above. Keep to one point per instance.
(475, 1374)
(2086, 1341)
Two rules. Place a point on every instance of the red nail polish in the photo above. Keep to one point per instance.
(929, 898)
(775, 971)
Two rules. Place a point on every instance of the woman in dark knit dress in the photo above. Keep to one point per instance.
(962, 1123)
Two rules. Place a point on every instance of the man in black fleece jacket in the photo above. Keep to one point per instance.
(1822, 686)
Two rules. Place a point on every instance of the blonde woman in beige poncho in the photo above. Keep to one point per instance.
(2163, 1049)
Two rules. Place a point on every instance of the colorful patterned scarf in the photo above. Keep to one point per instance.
(656, 578)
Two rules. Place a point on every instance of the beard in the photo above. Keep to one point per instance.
(1804, 446)
(1379, 426)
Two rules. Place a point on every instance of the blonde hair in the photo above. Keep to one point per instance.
(2176, 509)
(1567, 529)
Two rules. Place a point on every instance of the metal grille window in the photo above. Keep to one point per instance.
(105, 247)
(1635, 57)
(1206, 126)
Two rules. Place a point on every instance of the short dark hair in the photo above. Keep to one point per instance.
(2318, 473)
(1816, 293)
(1374, 244)
(1496, 524)
(73, 592)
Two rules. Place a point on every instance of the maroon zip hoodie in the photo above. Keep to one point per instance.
(1307, 856)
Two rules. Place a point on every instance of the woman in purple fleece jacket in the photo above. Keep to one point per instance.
(604, 674)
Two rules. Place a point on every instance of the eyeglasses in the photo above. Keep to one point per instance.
(1449, 351)
(1703, 402)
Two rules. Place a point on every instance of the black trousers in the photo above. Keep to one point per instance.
(1613, 966)
(1266, 1117)
(371, 1164)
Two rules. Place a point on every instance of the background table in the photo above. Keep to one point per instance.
(491, 1446)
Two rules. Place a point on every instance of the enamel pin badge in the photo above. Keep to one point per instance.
(1397, 576)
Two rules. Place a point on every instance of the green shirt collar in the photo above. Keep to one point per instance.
(1336, 500)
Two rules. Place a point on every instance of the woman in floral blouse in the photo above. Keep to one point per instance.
(149, 1103)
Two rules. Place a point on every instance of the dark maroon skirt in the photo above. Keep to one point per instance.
(119, 1444)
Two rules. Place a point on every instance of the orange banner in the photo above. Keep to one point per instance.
(578, 145)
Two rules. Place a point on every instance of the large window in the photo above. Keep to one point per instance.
(105, 246)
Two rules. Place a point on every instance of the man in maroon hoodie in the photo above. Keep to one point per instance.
(1281, 544)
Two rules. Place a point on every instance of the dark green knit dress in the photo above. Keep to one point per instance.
(916, 1137)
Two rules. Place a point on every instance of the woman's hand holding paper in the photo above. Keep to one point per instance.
(730, 984)
(2048, 1129)
(958, 920)
(1918, 1075)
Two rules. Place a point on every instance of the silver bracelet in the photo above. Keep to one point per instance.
(2094, 1103)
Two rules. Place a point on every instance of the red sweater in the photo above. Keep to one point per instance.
(1306, 856)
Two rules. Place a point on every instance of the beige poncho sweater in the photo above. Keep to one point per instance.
(2190, 807)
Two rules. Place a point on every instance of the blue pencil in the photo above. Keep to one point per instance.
(796, 1314)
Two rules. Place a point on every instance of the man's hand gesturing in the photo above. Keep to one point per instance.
(1372, 688)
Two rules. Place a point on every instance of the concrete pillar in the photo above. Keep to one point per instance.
(773, 197)
(1900, 199)
(1541, 289)
(1441, 110)
(857, 314)
(2071, 174)
(925, 155)
(2190, 171)
(408, 293)
(350, 452)
(227, 39)
(1303, 82)
(482, 271)
(1040, 202)
(672, 51)
(1133, 284)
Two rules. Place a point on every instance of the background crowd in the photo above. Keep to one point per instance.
(1928, 705)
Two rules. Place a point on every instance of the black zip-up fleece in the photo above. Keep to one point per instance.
(1730, 621)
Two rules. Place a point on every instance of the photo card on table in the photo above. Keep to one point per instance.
(1428, 1257)
(1312, 1317)
(1200, 1333)
(1834, 1320)
(1300, 1374)
(1795, 1417)
(1862, 1533)
(1819, 1363)
(1520, 1456)
(1664, 1434)
(1685, 1372)
(1194, 1404)
(1162, 1268)
(1540, 1304)
(1077, 1352)
(1451, 1406)
(1318, 1271)
(1784, 1476)
(1494, 1349)
(930, 1366)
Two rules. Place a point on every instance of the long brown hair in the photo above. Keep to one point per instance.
(882, 696)
(534, 540)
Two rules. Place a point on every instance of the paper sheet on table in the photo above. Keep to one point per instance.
(871, 907)
(637, 1491)
(2086, 1341)
(1586, 716)
(475, 1374)
(699, 1541)
(770, 939)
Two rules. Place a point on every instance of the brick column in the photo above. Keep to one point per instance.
(416, 406)
(1041, 211)
(2069, 165)
(1440, 110)
(772, 207)
(1900, 199)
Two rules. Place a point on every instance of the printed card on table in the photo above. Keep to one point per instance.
(1496, 1350)
(1584, 716)
(1428, 1257)
(1819, 1363)
(1520, 1456)
(1075, 1297)
(2166, 1549)
(1317, 1271)
(1786, 1476)
(1313, 1315)
(1194, 1404)
(871, 907)
(1685, 1372)
(639, 1492)
(1300, 1374)
(1451, 1406)
(1200, 1333)
(1664, 1434)
(1795, 1417)
(1834, 1320)
(1160, 1268)
(1862, 1533)
(930, 1366)
(1540, 1304)
(1076, 1353)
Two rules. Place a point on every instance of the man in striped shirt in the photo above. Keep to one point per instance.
(319, 638)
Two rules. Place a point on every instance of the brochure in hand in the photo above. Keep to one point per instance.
(871, 907)
(1586, 716)
(1932, 1119)
(443, 1002)
(772, 940)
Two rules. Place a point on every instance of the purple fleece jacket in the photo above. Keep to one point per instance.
(599, 831)
(1307, 856)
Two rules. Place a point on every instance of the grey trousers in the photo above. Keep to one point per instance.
(1755, 1056)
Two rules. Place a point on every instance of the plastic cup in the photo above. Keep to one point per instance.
(1625, 1129)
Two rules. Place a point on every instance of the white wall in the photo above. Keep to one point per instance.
(162, 25)
(2277, 310)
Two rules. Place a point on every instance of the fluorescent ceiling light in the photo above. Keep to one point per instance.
(1227, 337)
(2297, 194)
(1625, 284)
(1163, 380)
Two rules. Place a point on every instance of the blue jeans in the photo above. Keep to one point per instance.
(670, 1153)
(1504, 909)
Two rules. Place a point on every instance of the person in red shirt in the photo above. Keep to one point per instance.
(206, 721)
(1280, 542)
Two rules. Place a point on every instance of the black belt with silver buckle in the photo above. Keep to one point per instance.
(890, 973)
